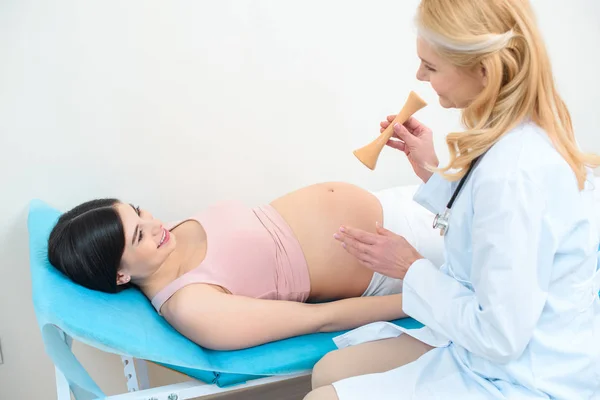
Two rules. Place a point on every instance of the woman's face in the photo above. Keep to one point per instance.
(148, 244)
(455, 86)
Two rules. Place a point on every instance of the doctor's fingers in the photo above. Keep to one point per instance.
(360, 247)
(415, 127)
(397, 144)
(385, 124)
(405, 135)
(359, 234)
(360, 251)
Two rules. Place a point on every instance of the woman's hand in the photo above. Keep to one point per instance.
(416, 141)
(384, 252)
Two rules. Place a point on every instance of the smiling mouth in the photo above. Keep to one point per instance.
(165, 237)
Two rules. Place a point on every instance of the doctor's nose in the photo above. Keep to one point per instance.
(422, 75)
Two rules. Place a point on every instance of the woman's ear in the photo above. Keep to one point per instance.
(483, 75)
(122, 278)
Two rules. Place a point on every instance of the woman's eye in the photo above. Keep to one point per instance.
(141, 236)
(137, 210)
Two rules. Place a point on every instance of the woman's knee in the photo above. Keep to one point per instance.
(367, 358)
(322, 393)
(324, 371)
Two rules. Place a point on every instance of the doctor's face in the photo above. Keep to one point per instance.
(455, 86)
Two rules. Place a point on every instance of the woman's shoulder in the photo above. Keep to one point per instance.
(525, 142)
(525, 152)
(191, 297)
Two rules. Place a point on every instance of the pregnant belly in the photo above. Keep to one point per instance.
(315, 213)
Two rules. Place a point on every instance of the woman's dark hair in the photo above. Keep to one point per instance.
(87, 244)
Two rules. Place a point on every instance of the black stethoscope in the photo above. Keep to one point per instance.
(441, 221)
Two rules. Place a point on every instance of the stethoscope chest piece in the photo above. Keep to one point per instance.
(441, 222)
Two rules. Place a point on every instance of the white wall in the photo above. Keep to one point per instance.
(175, 105)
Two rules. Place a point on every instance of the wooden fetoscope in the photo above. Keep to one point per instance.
(369, 154)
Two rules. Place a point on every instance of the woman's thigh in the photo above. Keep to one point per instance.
(323, 393)
(366, 358)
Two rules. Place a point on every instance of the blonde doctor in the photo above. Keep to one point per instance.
(514, 312)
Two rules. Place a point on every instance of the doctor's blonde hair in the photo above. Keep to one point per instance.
(503, 37)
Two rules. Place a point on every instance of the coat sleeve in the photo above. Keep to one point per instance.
(434, 194)
(512, 252)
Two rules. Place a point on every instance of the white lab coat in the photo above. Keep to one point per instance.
(514, 310)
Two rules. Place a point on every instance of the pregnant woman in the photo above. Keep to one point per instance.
(233, 276)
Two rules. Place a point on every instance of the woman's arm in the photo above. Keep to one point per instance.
(222, 321)
(357, 311)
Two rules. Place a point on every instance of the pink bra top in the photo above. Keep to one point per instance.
(250, 252)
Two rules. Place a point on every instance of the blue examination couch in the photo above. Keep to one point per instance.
(127, 324)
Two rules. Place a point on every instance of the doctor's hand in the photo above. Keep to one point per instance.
(416, 141)
(384, 252)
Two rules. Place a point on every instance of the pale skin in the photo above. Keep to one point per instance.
(335, 273)
(214, 318)
(386, 252)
